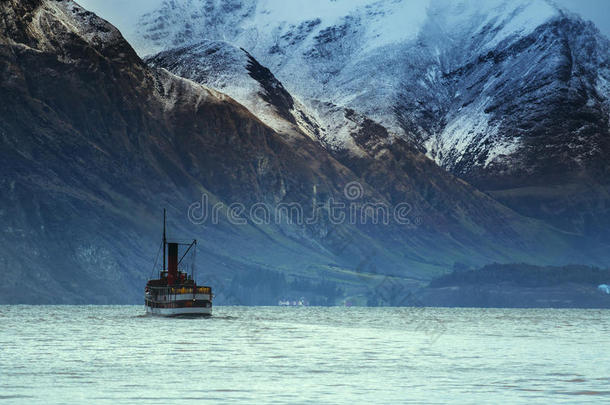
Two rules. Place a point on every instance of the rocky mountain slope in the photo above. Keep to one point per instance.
(511, 96)
(235, 72)
(95, 142)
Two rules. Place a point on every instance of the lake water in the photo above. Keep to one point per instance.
(258, 355)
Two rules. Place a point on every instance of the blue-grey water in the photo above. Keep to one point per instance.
(116, 355)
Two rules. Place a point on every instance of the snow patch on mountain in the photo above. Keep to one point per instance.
(234, 72)
(602, 85)
(227, 69)
(505, 19)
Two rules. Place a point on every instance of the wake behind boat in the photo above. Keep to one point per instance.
(175, 292)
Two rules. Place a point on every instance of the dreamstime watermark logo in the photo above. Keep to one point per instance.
(353, 190)
(355, 208)
(352, 209)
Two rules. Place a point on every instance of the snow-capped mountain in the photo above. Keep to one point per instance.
(508, 95)
(436, 72)
(235, 72)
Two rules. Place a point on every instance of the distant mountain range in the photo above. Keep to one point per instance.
(95, 142)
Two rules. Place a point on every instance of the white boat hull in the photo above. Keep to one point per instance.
(193, 311)
(178, 304)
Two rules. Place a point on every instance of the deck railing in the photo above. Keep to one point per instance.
(179, 290)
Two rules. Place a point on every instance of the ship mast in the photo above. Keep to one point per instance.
(164, 239)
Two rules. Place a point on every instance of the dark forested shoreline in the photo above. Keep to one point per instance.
(521, 286)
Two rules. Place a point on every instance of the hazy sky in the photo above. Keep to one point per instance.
(120, 12)
(597, 11)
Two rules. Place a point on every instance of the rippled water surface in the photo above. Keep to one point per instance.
(115, 354)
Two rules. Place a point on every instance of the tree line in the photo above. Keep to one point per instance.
(524, 275)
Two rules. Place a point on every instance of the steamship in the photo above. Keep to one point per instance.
(175, 292)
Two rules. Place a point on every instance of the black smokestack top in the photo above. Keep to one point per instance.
(172, 262)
